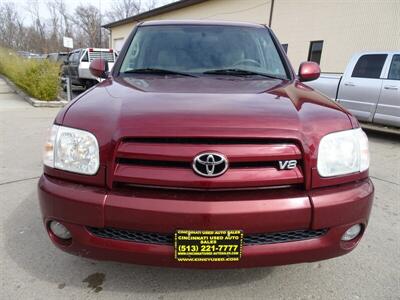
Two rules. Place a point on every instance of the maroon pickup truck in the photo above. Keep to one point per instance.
(203, 149)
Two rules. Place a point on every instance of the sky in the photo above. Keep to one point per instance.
(104, 5)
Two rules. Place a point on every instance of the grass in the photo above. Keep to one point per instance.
(39, 78)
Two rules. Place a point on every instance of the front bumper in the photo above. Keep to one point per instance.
(79, 207)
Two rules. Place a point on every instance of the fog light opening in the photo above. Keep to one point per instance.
(60, 231)
(351, 233)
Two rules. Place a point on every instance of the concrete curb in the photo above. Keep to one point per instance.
(380, 128)
(33, 101)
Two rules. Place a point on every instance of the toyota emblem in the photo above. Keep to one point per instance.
(210, 164)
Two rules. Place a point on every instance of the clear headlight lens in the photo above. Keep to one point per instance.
(72, 150)
(343, 152)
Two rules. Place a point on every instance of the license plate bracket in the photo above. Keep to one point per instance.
(208, 245)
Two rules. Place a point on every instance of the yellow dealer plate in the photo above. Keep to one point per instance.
(208, 245)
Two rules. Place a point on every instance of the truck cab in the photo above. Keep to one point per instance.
(76, 67)
(369, 88)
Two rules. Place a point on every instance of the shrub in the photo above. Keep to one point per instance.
(37, 77)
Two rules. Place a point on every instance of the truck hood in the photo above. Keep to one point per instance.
(154, 106)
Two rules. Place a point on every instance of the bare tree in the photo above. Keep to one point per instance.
(83, 24)
(122, 9)
(88, 19)
(55, 25)
(39, 26)
(151, 4)
(65, 24)
(10, 23)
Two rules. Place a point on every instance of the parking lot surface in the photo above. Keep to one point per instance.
(75, 92)
(32, 268)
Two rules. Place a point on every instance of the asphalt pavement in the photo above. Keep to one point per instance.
(75, 91)
(32, 268)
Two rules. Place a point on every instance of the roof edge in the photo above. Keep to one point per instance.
(154, 12)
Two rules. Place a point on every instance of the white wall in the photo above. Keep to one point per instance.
(345, 26)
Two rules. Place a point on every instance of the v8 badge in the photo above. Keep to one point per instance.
(287, 164)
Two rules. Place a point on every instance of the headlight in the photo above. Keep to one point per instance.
(72, 150)
(343, 152)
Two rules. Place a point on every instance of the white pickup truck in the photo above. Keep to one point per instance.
(76, 66)
(369, 88)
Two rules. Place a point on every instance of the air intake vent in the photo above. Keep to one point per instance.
(167, 239)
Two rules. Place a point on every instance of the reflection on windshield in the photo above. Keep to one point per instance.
(202, 48)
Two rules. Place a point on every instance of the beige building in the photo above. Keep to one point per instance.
(326, 31)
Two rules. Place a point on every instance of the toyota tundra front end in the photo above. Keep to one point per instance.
(202, 148)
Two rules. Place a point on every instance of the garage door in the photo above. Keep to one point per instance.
(118, 43)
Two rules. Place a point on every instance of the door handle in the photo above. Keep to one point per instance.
(349, 84)
(390, 87)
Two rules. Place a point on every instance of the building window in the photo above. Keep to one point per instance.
(315, 51)
(285, 47)
(369, 66)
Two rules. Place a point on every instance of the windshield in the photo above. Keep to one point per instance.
(203, 49)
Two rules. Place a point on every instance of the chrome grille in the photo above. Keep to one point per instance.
(167, 162)
(108, 56)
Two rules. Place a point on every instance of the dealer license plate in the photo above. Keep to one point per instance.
(208, 245)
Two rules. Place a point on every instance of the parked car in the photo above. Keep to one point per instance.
(202, 149)
(369, 88)
(29, 55)
(60, 57)
(77, 65)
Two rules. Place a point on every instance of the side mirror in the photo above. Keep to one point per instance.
(66, 62)
(99, 68)
(309, 71)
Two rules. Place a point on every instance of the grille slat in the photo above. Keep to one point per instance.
(186, 177)
(186, 152)
(183, 164)
(206, 141)
(167, 239)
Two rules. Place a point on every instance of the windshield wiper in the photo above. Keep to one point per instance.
(157, 71)
(240, 72)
